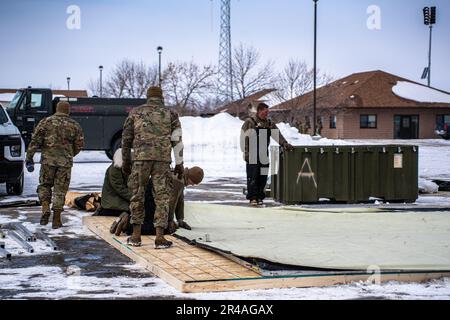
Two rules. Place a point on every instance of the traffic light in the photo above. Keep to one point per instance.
(433, 15)
(426, 16)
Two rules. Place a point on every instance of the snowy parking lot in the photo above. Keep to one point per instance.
(86, 267)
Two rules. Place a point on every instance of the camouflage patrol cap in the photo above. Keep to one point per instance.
(195, 174)
(63, 107)
(154, 92)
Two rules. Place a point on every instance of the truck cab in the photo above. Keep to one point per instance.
(28, 107)
(12, 155)
(101, 119)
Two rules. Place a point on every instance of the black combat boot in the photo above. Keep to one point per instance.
(183, 225)
(135, 239)
(45, 213)
(160, 241)
(57, 223)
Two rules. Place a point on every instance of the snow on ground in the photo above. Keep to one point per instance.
(60, 283)
(420, 93)
(7, 97)
(213, 144)
(426, 186)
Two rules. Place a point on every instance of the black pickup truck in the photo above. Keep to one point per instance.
(102, 119)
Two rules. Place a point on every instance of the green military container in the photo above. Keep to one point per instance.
(344, 173)
(399, 168)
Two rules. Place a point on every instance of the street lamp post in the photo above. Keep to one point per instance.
(68, 83)
(159, 49)
(429, 17)
(101, 84)
(315, 66)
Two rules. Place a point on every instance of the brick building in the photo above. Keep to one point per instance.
(371, 105)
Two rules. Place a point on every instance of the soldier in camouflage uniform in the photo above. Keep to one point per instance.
(152, 130)
(59, 138)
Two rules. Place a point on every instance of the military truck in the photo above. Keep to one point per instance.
(102, 119)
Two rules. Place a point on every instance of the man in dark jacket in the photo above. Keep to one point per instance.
(255, 139)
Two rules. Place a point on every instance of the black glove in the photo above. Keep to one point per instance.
(29, 165)
(288, 147)
(179, 170)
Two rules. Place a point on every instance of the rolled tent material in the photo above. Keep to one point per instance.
(339, 239)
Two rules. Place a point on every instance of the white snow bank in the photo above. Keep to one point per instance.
(427, 186)
(420, 93)
(297, 139)
(214, 143)
(6, 96)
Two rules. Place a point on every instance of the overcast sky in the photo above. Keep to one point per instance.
(38, 49)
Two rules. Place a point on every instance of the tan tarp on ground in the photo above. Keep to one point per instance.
(335, 239)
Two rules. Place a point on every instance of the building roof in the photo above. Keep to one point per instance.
(240, 106)
(372, 89)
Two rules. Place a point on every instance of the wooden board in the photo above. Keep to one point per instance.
(192, 269)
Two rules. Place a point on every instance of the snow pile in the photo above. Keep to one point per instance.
(427, 186)
(6, 96)
(214, 143)
(296, 139)
(419, 93)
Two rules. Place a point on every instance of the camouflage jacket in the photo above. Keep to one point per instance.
(252, 130)
(59, 137)
(152, 130)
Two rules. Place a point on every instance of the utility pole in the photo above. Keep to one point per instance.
(315, 67)
(429, 19)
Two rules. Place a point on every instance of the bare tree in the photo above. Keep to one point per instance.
(94, 87)
(186, 85)
(128, 79)
(249, 75)
(297, 79)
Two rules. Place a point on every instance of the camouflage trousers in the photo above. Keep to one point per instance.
(162, 186)
(57, 178)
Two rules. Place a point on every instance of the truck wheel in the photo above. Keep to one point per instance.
(15, 188)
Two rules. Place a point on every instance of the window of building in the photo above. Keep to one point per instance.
(307, 122)
(368, 121)
(333, 122)
(442, 121)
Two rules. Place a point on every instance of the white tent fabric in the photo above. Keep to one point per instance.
(355, 239)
